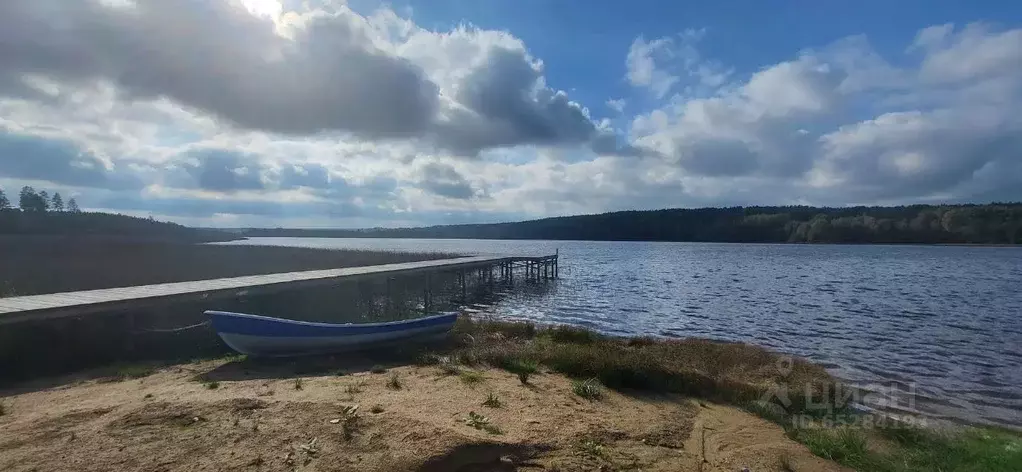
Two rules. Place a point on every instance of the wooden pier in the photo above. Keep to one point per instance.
(77, 304)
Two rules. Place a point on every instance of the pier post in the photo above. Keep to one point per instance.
(388, 308)
(427, 298)
(464, 291)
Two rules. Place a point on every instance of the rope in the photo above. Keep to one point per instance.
(172, 330)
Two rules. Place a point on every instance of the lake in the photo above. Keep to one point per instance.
(930, 329)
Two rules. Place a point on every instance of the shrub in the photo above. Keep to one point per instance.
(572, 334)
(589, 389)
(354, 388)
(523, 368)
(492, 401)
(478, 421)
(471, 377)
(394, 382)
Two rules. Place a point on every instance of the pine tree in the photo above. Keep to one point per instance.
(44, 198)
(72, 206)
(28, 200)
(5, 204)
(58, 202)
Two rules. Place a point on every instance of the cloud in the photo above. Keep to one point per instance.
(224, 171)
(299, 73)
(905, 154)
(205, 112)
(670, 62)
(933, 139)
(218, 58)
(617, 105)
(506, 104)
(445, 181)
(751, 128)
(975, 52)
(29, 157)
(642, 65)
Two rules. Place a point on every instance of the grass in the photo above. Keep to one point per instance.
(523, 368)
(376, 409)
(590, 389)
(378, 369)
(212, 385)
(394, 382)
(448, 368)
(354, 388)
(842, 445)
(471, 377)
(126, 372)
(3, 409)
(492, 401)
(571, 334)
(592, 448)
(299, 384)
(732, 373)
(902, 448)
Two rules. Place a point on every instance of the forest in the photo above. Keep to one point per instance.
(39, 214)
(995, 223)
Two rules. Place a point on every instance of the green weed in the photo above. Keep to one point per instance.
(492, 401)
(471, 377)
(589, 389)
(478, 421)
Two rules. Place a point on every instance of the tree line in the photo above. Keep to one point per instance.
(995, 223)
(31, 201)
(39, 214)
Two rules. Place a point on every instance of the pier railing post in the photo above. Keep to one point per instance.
(427, 296)
(464, 290)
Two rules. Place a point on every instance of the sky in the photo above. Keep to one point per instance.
(327, 113)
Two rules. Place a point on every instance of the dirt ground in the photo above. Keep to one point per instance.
(253, 420)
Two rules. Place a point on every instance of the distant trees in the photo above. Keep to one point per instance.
(57, 203)
(31, 201)
(995, 223)
(44, 200)
(5, 204)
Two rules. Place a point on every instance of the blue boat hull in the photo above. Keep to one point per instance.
(275, 337)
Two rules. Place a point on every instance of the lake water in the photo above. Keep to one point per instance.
(934, 329)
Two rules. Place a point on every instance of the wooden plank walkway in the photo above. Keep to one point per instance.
(57, 305)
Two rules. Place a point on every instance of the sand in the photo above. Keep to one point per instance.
(258, 421)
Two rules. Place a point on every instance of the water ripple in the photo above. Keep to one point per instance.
(936, 330)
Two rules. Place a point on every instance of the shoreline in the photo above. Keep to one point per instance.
(570, 399)
(777, 243)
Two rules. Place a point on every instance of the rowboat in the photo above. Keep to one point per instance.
(276, 337)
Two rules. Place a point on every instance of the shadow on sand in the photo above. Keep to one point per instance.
(353, 361)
